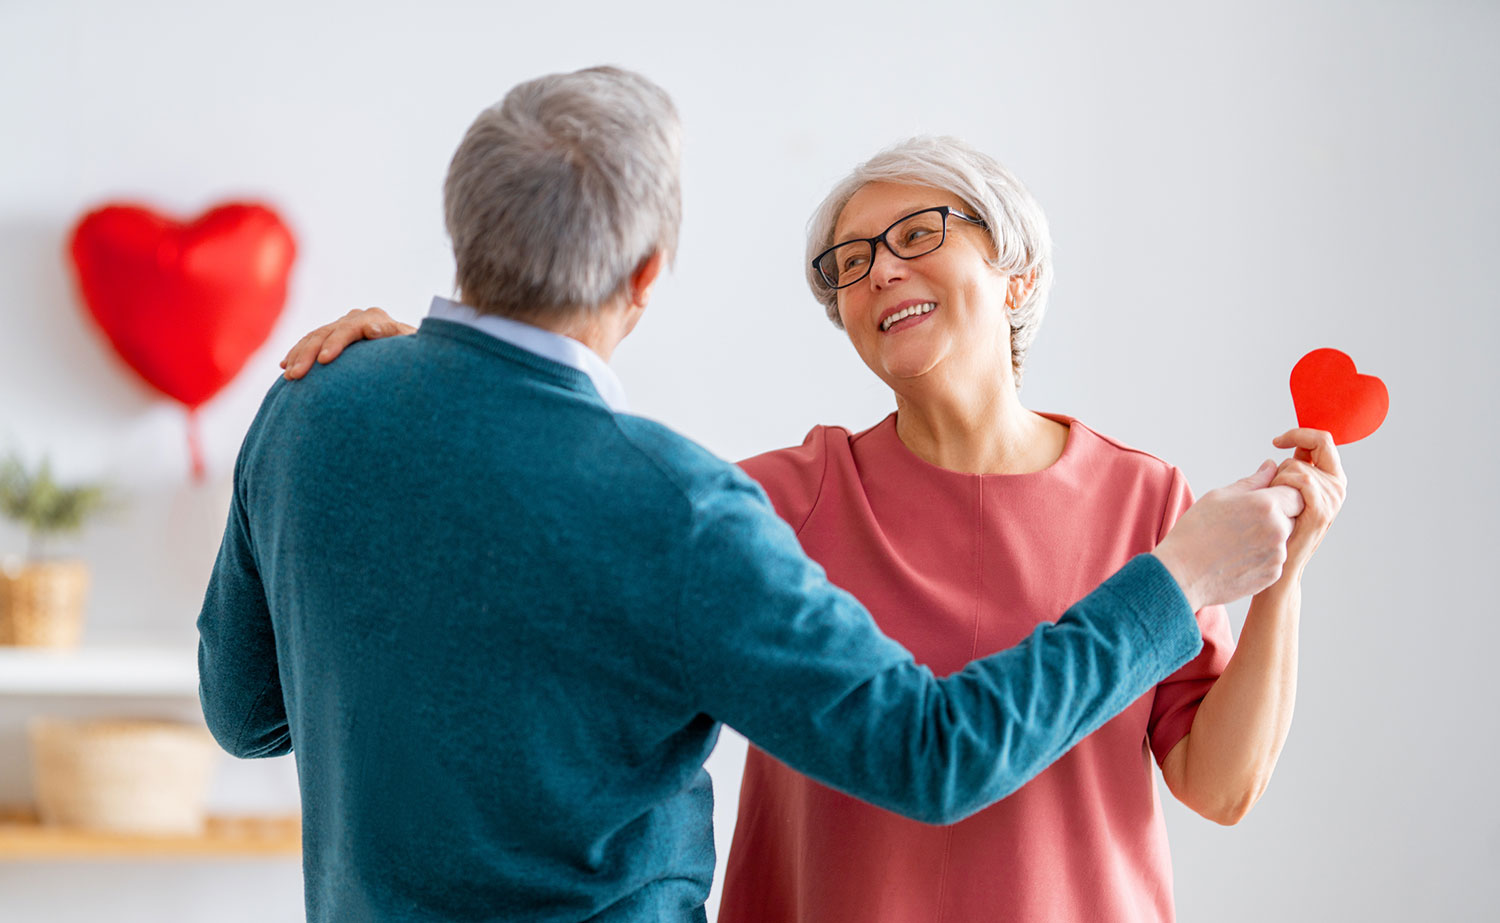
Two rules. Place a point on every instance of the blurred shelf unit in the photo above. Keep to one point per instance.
(99, 671)
(122, 671)
(24, 839)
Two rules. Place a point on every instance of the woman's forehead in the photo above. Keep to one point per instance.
(872, 209)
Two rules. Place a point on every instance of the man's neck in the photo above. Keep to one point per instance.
(601, 330)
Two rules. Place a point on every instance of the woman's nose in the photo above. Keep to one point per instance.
(886, 267)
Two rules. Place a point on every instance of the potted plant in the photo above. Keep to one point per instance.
(42, 597)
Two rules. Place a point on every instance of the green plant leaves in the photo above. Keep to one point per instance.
(45, 507)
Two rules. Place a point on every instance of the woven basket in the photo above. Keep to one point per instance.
(141, 777)
(41, 603)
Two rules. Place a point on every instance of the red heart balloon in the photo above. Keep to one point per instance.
(184, 304)
(1330, 394)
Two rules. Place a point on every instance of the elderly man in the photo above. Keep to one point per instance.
(501, 680)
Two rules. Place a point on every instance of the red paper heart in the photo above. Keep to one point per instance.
(1330, 394)
(185, 305)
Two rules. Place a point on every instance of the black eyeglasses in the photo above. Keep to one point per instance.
(918, 234)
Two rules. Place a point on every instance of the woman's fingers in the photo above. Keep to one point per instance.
(1317, 473)
(1314, 445)
(370, 324)
(324, 344)
(1323, 496)
(301, 356)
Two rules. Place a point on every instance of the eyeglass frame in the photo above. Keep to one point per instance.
(944, 210)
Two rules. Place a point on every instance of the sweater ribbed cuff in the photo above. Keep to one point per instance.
(1167, 624)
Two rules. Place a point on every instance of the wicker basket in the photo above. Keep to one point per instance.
(41, 603)
(141, 777)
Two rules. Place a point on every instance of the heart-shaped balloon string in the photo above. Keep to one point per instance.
(1330, 394)
(185, 304)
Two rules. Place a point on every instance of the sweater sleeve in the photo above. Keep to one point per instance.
(798, 666)
(1177, 698)
(239, 684)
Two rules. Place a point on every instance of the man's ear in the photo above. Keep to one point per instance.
(644, 276)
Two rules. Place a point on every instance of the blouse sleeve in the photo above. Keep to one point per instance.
(1178, 696)
(793, 477)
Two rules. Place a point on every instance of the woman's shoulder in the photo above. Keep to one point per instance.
(1132, 481)
(806, 458)
(793, 477)
(1116, 453)
(1114, 467)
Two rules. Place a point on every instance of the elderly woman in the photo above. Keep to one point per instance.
(961, 521)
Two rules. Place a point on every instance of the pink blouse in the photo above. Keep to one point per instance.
(956, 566)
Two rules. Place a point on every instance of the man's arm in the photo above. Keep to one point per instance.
(238, 681)
(773, 649)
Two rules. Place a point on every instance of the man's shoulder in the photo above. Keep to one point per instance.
(690, 467)
(365, 368)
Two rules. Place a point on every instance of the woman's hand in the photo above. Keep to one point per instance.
(325, 343)
(1316, 472)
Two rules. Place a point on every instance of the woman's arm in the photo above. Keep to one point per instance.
(1221, 768)
(1223, 765)
(324, 344)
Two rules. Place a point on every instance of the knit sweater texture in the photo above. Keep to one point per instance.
(500, 626)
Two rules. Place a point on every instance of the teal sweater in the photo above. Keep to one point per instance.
(501, 626)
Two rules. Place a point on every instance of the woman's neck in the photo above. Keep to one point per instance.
(979, 428)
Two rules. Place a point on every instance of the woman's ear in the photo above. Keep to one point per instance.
(1018, 289)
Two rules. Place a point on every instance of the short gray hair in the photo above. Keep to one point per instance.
(1016, 224)
(559, 191)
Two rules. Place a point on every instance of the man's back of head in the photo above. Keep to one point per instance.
(560, 191)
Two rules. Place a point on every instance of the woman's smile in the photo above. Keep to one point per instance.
(905, 315)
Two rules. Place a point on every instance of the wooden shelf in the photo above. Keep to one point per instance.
(23, 838)
(99, 671)
(151, 671)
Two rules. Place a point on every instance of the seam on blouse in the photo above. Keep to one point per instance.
(822, 481)
(1161, 528)
(1128, 448)
(978, 565)
(943, 875)
(973, 653)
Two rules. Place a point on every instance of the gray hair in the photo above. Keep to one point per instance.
(1023, 245)
(559, 191)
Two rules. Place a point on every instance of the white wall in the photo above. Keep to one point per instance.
(1229, 186)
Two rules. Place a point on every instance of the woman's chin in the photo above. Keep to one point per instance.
(909, 360)
(905, 370)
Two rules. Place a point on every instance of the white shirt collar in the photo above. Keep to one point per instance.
(554, 346)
